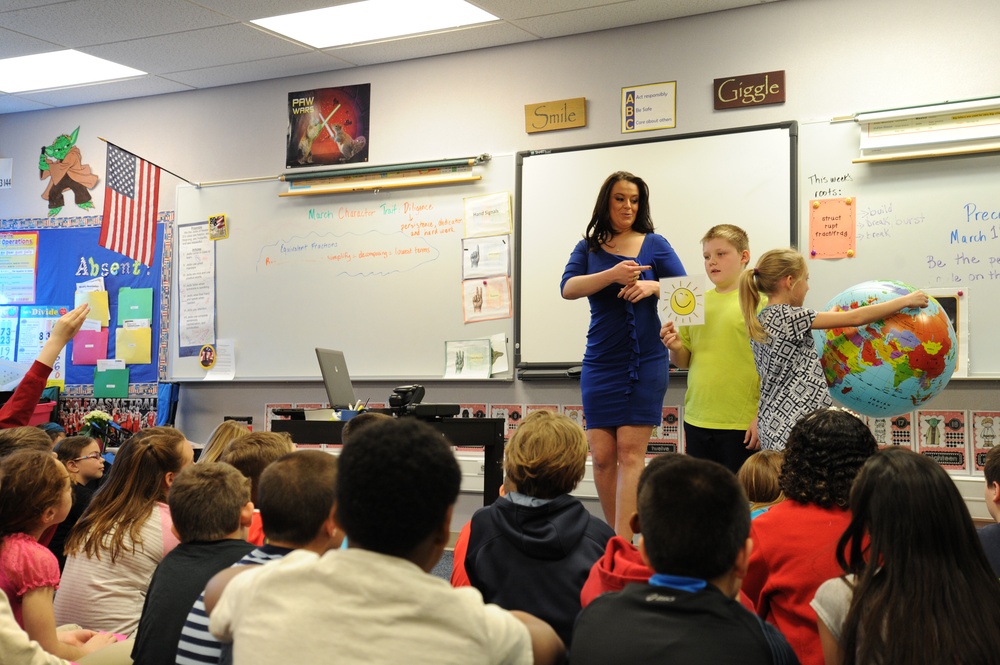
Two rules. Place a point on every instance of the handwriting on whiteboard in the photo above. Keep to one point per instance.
(350, 254)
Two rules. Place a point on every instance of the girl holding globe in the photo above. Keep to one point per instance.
(791, 378)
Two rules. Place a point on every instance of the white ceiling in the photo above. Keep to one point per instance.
(191, 44)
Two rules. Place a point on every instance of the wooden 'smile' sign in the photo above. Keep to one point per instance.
(560, 114)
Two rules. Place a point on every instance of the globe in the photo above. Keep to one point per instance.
(891, 366)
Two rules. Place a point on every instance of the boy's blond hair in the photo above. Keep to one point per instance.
(251, 453)
(547, 455)
(732, 234)
(206, 501)
(759, 477)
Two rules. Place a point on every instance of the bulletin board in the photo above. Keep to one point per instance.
(377, 275)
(69, 252)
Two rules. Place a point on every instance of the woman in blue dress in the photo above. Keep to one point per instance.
(617, 266)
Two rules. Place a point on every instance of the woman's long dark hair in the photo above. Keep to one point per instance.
(924, 591)
(599, 229)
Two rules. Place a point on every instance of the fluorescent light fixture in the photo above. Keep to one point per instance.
(59, 69)
(373, 20)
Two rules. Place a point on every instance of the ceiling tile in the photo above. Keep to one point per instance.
(106, 92)
(12, 104)
(249, 10)
(258, 70)
(619, 15)
(88, 22)
(514, 9)
(13, 44)
(9, 5)
(211, 47)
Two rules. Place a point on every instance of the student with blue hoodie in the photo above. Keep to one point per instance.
(533, 548)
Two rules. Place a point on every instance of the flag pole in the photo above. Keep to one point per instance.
(154, 164)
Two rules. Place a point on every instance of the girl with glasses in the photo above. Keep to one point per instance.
(81, 455)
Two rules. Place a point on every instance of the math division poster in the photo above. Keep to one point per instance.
(18, 267)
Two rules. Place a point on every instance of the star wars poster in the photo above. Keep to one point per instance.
(328, 126)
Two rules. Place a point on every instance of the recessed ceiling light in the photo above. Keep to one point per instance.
(372, 20)
(59, 69)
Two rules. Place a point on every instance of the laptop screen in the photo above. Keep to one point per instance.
(339, 390)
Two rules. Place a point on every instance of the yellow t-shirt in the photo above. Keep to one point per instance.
(723, 388)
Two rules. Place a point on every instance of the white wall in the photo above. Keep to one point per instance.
(839, 56)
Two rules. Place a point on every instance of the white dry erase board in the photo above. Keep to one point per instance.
(389, 312)
(741, 176)
(933, 223)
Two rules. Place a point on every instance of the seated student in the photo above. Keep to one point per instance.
(917, 587)
(220, 438)
(28, 438)
(23, 438)
(55, 431)
(124, 533)
(622, 562)
(795, 542)
(989, 535)
(759, 476)
(16, 646)
(376, 602)
(359, 422)
(295, 497)
(532, 549)
(210, 507)
(695, 528)
(21, 405)
(81, 455)
(251, 454)
(35, 494)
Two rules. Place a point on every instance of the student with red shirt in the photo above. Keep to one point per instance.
(795, 542)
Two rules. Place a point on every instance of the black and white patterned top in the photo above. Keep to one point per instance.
(791, 378)
(197, 646)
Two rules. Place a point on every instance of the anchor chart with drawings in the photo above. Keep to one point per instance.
(682, 300)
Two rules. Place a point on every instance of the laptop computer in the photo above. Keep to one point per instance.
(337, 380)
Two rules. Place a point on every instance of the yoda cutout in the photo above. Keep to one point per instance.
(63, 163)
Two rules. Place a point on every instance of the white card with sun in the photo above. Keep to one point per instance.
(682, 299)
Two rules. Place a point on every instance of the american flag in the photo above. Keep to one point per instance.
(130, 205)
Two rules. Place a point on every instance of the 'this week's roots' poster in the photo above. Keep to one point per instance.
(328, 126)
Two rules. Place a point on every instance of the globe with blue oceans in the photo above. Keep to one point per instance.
(892, 366)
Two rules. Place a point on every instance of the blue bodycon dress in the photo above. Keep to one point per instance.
(625, 366)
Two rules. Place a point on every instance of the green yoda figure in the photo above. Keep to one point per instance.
(63, 163)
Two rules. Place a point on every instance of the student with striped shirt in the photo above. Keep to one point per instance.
(295, 498)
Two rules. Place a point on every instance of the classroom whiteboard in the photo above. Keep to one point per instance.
(743, 176)
(333, 271)
(916, 222)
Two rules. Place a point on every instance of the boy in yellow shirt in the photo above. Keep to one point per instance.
(720, 405)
